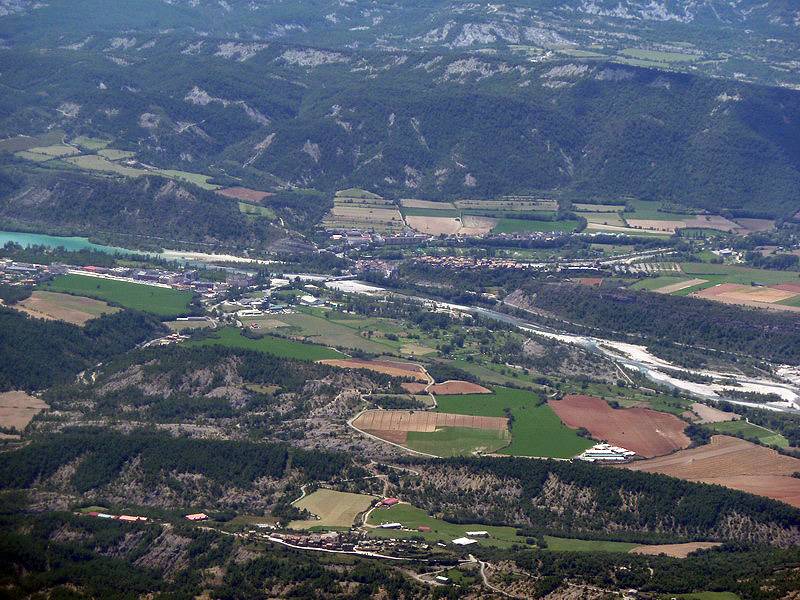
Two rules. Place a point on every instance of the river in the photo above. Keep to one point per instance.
(633, 357)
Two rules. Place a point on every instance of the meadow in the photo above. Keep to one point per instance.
(457, 441)
(525, 226)
(750, 431)
(164, 302)
(535, 428)
(232, 338)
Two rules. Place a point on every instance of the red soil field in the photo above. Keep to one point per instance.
(457, 388)
(246, 194)
(590, 281)
(733, 463)
(646, 432)
(388, 367)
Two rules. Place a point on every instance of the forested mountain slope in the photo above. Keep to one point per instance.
(433, 124)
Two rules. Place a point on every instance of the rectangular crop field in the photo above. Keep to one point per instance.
(526, 226)
(509, 205)
(411, 203)
(233, 338)
(335, 509)
(18, 408)
(64, 307)
(458, 441)
(164, 302)
(535, 430)
(556, 544)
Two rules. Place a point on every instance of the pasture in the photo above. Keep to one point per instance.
(23, 142)
(161, 301)
(741, 427)
(114, 154)
(510, 204)
(256, 211)
(458, 441)
(733, 463)
(90, 143)
(64, 307)
(334, 509)
(364, 213)
(535, 430)
(231, 337)
(18, 408)
(409, 203)
(338, 333)
(411, 518)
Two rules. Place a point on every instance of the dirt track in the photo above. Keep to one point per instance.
(646, 432)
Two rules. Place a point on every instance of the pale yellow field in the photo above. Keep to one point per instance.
(411, 203)
(64, 307)
(18, 408)
(434, 225)
(334, 509)
(681, 285)
(474, 225)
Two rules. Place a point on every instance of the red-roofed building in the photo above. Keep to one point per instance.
(390, 501)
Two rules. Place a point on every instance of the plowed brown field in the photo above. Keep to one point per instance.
(458, 387)
(243, 193)
(646, 432)
(394, 425)
(733, 463)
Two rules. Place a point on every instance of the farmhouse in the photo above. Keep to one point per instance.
(464, 541)
(197, 517)
(389, 501)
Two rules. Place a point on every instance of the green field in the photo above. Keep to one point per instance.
(357, 193)
(258, 211)
(457, 441)
(654, 283)
(503, 537)
(659, 57)
(55, 150)
(751, 431)
(412, 517)
(92, 162)
(21, 142)
(536, 430)
(630, 396)
(232, 338)
(164, 302)
(570, 545)
(342, 333)
(645, 209)
(90, 143)
(114, 154)
(525, 226)
(430, 212)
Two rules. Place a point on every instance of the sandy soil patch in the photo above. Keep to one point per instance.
(655, 225)
(733, 463)
(709, 414)
(412, 203)
(590, 281)
(395, 369)
(18, 408)
(357, 213)
(454, 387)
(681, 285)
(420, 420)
(674, 550)
(243, 193)
(646, 432)
(64, 307)
(434, 225)
(414, 387)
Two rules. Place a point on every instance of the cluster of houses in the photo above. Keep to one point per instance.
(471, 262)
